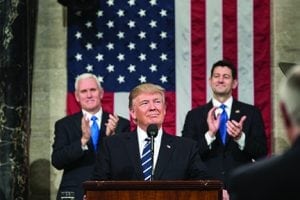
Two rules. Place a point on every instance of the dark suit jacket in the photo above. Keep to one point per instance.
(270, 179)
(119, 159)
(222, 159)
(68, 155)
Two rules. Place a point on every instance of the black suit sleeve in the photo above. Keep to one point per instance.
(67, 145)
(256, 143)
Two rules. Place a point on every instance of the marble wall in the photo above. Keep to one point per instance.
(16, 56)
(49, 86)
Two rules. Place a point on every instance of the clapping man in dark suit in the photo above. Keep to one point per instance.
(73, 149)
(175, 158)
(244, 137)
(277, 177)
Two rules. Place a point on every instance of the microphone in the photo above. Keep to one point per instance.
(152, 131)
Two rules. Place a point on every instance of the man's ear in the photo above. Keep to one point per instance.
(209, 81)
(101, 94)
(132, 114)
(286, 118)
(76, 96)
(235, 84)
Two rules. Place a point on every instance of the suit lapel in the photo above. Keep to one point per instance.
(133, 150)
(166, 150)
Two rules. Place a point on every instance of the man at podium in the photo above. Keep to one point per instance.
(171, 157)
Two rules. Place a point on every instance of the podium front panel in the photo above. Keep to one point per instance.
(153, 190)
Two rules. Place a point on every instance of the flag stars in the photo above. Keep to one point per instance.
(132, 57)
(121, 79)
(110, 3)
(110, 24)
(89, 46)
(153, 2)
(163, 35)
(100, 57)
(131, 68)
(99, 13)
(153, 68)
(100, 79)
(142, 79)
(131, 2)
(163, 13)
(78, 35)
(89, 24)
(163, 79)
(121, 57)
(142, 13)
(142, 35)
(121, 13)
(131, 24)
(121, 35)
(110, 68)
(99, 35)
(153, 24)
(78, 56)
(110, 46)
(142, 57)
(153, 46)
(131, 46)
(163, 57)
(89, 68)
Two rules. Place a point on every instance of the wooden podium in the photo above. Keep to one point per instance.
(153, 190)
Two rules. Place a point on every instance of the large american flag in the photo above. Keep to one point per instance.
(173, 44)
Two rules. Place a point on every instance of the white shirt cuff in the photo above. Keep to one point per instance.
(84, 147)
(241, 141)
(209, 139)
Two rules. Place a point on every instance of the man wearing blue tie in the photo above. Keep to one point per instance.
(78, 136)
(229, 132)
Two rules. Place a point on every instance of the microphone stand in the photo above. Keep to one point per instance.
(152, 131)
(152, 158)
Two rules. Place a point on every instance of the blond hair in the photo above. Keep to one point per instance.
(145, 88)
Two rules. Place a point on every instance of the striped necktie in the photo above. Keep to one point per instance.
(147, 160)
(223, 121)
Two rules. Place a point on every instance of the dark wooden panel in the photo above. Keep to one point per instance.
(154, 190)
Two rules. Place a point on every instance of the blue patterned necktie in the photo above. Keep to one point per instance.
(147, 160)
(223, 120)
(95, 132)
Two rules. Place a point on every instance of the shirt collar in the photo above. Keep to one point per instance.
(142, 135)
(227, 103)
(97, 114)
